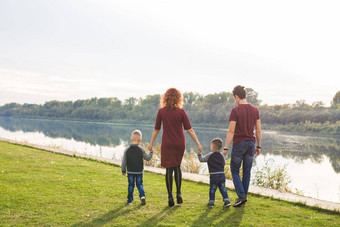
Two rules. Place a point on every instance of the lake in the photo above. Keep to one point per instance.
(313, 162)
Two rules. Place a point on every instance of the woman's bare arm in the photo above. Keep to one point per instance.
(153, 138)
(192, 134)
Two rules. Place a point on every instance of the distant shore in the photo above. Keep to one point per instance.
(306, 128)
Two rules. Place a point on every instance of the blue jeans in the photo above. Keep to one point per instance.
(223, 190)
(217, 181)
(242, 152)
(132, 178)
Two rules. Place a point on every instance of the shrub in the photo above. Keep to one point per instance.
(191, 163)
(273, 177)
(227, 170)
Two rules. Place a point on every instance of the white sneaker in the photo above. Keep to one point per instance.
(128, 203)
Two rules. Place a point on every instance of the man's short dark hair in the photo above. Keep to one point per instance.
(217, 143)
(239, 91)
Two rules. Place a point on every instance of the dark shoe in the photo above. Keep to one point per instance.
(142, 201)
(171, 202)
(179, 199)
(211, 204)
(240, 201)
(227, 203)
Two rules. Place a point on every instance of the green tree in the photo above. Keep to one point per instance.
(318, 105)
(130, 103)
(336, 101)
(301, 105)
(252, 97)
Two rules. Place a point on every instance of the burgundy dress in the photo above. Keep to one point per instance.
(173, 141)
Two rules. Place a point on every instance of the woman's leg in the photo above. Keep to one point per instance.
(178, 180)
(168, 181)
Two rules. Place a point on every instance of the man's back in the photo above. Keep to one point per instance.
(245, 116)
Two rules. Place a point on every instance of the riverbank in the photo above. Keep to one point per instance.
(41, 188)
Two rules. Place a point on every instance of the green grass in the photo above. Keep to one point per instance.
(42, 188)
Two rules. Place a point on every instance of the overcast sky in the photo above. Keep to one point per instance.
(78, 49)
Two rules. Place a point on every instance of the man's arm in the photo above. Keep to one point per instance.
(258, 137)
(230, 136)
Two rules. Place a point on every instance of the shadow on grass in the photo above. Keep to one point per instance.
(231, 217)
(108, 217)
(154, 220)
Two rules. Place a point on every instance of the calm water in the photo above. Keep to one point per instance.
(313, 162)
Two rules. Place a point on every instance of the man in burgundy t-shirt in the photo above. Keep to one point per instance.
(243, 120)
(245, 116)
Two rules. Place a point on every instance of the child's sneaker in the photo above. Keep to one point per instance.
(210, 204)
(227, 203)
(142, 201)
(128, 202)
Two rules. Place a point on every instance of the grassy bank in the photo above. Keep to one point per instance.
(41, 188)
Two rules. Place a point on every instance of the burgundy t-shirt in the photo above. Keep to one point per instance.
(245, 116)
(173, 141)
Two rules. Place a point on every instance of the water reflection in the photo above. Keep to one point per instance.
(296, 147)
(300, 148)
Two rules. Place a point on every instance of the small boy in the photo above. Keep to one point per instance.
(133, 161)
(216, 162)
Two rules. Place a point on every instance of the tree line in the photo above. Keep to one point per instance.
(211, 109)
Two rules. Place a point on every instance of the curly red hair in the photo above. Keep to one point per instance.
(172, 98)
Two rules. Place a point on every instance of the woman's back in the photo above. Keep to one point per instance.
(173, 141)
(173, 122)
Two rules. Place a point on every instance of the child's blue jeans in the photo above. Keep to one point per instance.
(132, 179)
(217, 181)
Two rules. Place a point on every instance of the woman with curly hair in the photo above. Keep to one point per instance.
(174, 119)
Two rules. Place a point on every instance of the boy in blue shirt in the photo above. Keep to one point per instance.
(216, 162)
(133, 162)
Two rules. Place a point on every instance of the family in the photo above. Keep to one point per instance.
(244, 118)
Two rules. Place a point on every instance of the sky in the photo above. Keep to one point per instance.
(78, 49)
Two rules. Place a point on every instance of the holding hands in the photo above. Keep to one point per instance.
(199, 148)
(225, 151)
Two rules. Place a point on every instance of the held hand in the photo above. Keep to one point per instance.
(150, 147)
(257, 152)
(224, 152)
(199, 148)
